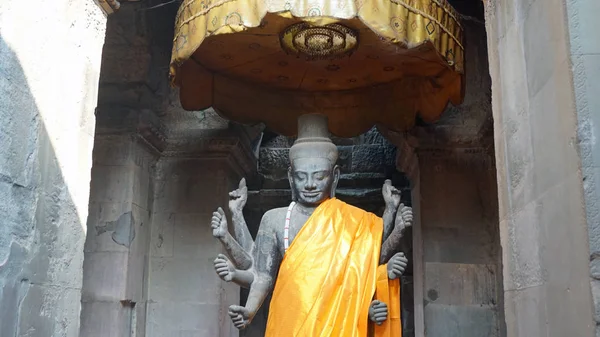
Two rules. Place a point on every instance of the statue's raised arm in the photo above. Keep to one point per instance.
(237, 201)
(404, 220)
(267, 258)
(240, 247)
(241, 258)
(391, 197)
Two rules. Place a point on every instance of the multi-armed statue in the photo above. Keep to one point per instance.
(329, 264)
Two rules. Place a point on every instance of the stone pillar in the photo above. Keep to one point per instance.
(194, 176)
(49, 68)
(537, 104)
(585, 59)
(116, 250)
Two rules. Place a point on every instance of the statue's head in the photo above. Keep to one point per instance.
(313, 172)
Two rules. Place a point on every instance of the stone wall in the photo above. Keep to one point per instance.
(461, 252)
(585, 58)
(536, 106)
(186, 297)
(116, 249)
(49, 68)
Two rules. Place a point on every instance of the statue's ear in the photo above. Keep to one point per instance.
(292, 186)
(336, 179)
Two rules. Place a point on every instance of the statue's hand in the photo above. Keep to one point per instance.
(407, 215)
(219, 223)
(378, 312)
(224, 268)
(391, 195)
(404, 218)
(240, 316)
(238, 197)
(396, 266)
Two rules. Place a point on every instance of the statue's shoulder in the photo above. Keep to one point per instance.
(354, 209)
(274, 217)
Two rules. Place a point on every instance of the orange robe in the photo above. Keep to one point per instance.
(329, 276)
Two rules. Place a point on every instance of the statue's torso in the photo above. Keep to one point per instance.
(276, 220)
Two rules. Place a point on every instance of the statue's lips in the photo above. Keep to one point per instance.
(311, 194)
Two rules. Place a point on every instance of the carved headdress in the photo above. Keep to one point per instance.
(313, 139)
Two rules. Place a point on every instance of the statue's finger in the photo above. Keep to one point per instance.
(400, 262)
(242, 183)
(221, 212)
(381, 313)
(379, 310)
(380, 305)
(375, 302)
(398, 272)
(388, 182)
(401, 266)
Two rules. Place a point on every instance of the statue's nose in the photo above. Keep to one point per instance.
(310, 185)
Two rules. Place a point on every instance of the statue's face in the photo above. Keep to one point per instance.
(313, 180)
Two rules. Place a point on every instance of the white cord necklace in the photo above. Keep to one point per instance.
(286, 228)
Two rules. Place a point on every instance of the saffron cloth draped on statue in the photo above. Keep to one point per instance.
(329, 275)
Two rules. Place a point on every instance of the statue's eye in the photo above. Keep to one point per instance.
(299, 176)
(320, 176)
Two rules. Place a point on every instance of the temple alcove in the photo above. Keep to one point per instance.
(105, 185)
(174, 167)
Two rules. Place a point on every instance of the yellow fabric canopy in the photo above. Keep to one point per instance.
(360, 62)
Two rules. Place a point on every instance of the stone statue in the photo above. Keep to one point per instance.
(313, 178)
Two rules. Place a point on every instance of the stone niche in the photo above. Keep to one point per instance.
(160, 171)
